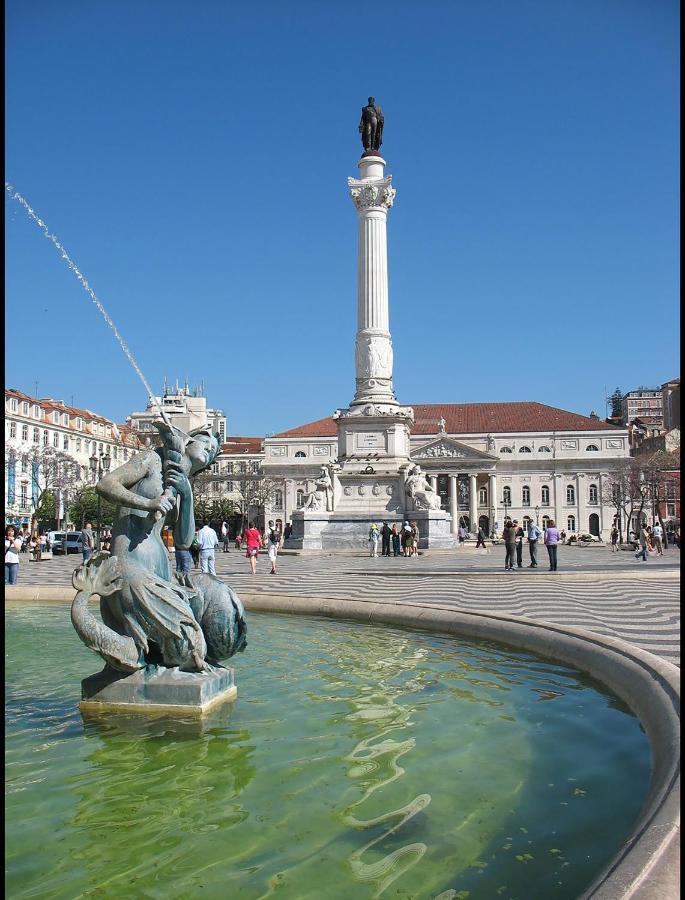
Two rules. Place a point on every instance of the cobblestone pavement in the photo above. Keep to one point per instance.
(611, 594)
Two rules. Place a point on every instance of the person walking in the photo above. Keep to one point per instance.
(207, 539)
(374, 536)
(253, 540)
(395, 537)
(519, 544)
(657, 538)
(461, 535)
(184, 559)
(614, 539)
(195, 549)
(414, 540)
(12, 550)
(406, 539)
(238, 540)
(224, 536)
(643, 544)
(552, 538)
(480, 541)
(287, 531)
(534, 535)
(509, 535)
(87, 542)
(273, 542)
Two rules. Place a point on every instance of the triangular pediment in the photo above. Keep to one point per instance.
(448, 448)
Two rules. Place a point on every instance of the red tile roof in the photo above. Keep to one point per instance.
(476, 418)
(235, 444)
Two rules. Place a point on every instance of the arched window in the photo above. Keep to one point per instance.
(544, 449)
(593, 493)
(571, 522)
(592, 447)
(525, 450)
(525, 495)
(483, 496)
(278, 499)
(545, 522)
(505, 450)
(526, 523)
(544, 495)
(506, 496)
(299, 499)
(570, 494)
(300, 454)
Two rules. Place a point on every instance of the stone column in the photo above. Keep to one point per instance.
(473, 504)
(373, 196)
(454, 509)
(434, 482)
(581, 500)
(492, 496)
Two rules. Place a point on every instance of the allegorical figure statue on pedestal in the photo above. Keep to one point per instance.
(371, 127)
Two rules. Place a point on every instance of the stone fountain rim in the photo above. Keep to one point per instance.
(646, 867)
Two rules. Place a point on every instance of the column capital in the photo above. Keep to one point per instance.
(372, 193)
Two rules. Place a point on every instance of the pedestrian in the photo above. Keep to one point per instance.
(374, 536)
(87, 542)
(461, 535)
(224, 536)
(414, 539)
(643, 540)
(385, 539)
(253, 541)
(195, 549)
(552, 538)
(238, 540)
(614, 539)
(407, 539)
(287, 531)
(562, 535)
(657, 536)
(273, 541)
(395, 536)
(509, 535)
(480, 542)
(184, 559)
(534, 535)
(519, 544)
(12, 549)
(207, 539)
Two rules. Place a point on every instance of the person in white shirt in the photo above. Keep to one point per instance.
(273, 541)
(12, 548)
(207, 539)
(224, 536)
(657, 536)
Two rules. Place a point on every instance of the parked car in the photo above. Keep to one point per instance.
(74, 542)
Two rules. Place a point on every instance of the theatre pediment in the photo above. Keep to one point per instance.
(447, 448)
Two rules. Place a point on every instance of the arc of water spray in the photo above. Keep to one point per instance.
(15, 195)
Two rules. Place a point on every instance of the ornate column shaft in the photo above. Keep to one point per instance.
(473, 508)
(373, 195)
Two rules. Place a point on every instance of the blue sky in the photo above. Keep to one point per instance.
(193, 160)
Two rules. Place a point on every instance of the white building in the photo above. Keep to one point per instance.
(32, 423)
(185, 408)
(526, 460)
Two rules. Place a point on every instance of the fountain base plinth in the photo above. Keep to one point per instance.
(157, 690)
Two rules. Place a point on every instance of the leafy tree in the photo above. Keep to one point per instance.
(46, 514)
(85, 508)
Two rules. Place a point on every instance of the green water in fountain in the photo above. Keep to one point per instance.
(372, 762)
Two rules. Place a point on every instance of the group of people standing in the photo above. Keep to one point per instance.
(403, 539)
(203, 547)
(513, 535)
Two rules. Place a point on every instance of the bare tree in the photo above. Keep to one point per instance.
(51, 472)
(638, 483)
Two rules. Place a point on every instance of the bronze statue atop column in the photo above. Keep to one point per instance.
(371, 128)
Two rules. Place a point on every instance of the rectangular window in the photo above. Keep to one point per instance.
(78, 445)
(36, 436)
(24, 465)
(24, 432)
(25, 408)
(55, 439)
(65, 442)
(24, 491)
(670, 510)
(13, 429)
(13, 405)
(46, 438)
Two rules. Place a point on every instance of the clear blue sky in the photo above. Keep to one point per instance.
(193, 158)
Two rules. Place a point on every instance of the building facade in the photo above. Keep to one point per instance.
(185, 408)
(33, 424)
(485, 460)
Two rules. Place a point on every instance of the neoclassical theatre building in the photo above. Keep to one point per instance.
(486, 460)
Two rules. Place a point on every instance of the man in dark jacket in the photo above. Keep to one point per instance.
(509, 535)
(519, 544)
(385, 539)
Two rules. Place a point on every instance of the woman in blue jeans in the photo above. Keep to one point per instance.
(552, 538)
(12, 548)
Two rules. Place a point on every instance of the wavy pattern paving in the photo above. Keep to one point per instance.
(611, 594)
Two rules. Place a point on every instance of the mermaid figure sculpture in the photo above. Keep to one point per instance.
(151, 616)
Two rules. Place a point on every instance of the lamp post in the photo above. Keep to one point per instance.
(99, 466)
(537, 515)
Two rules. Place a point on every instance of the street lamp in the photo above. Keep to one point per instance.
(99, 466)
(537, 515)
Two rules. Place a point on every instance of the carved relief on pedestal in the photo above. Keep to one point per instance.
(373, 356)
